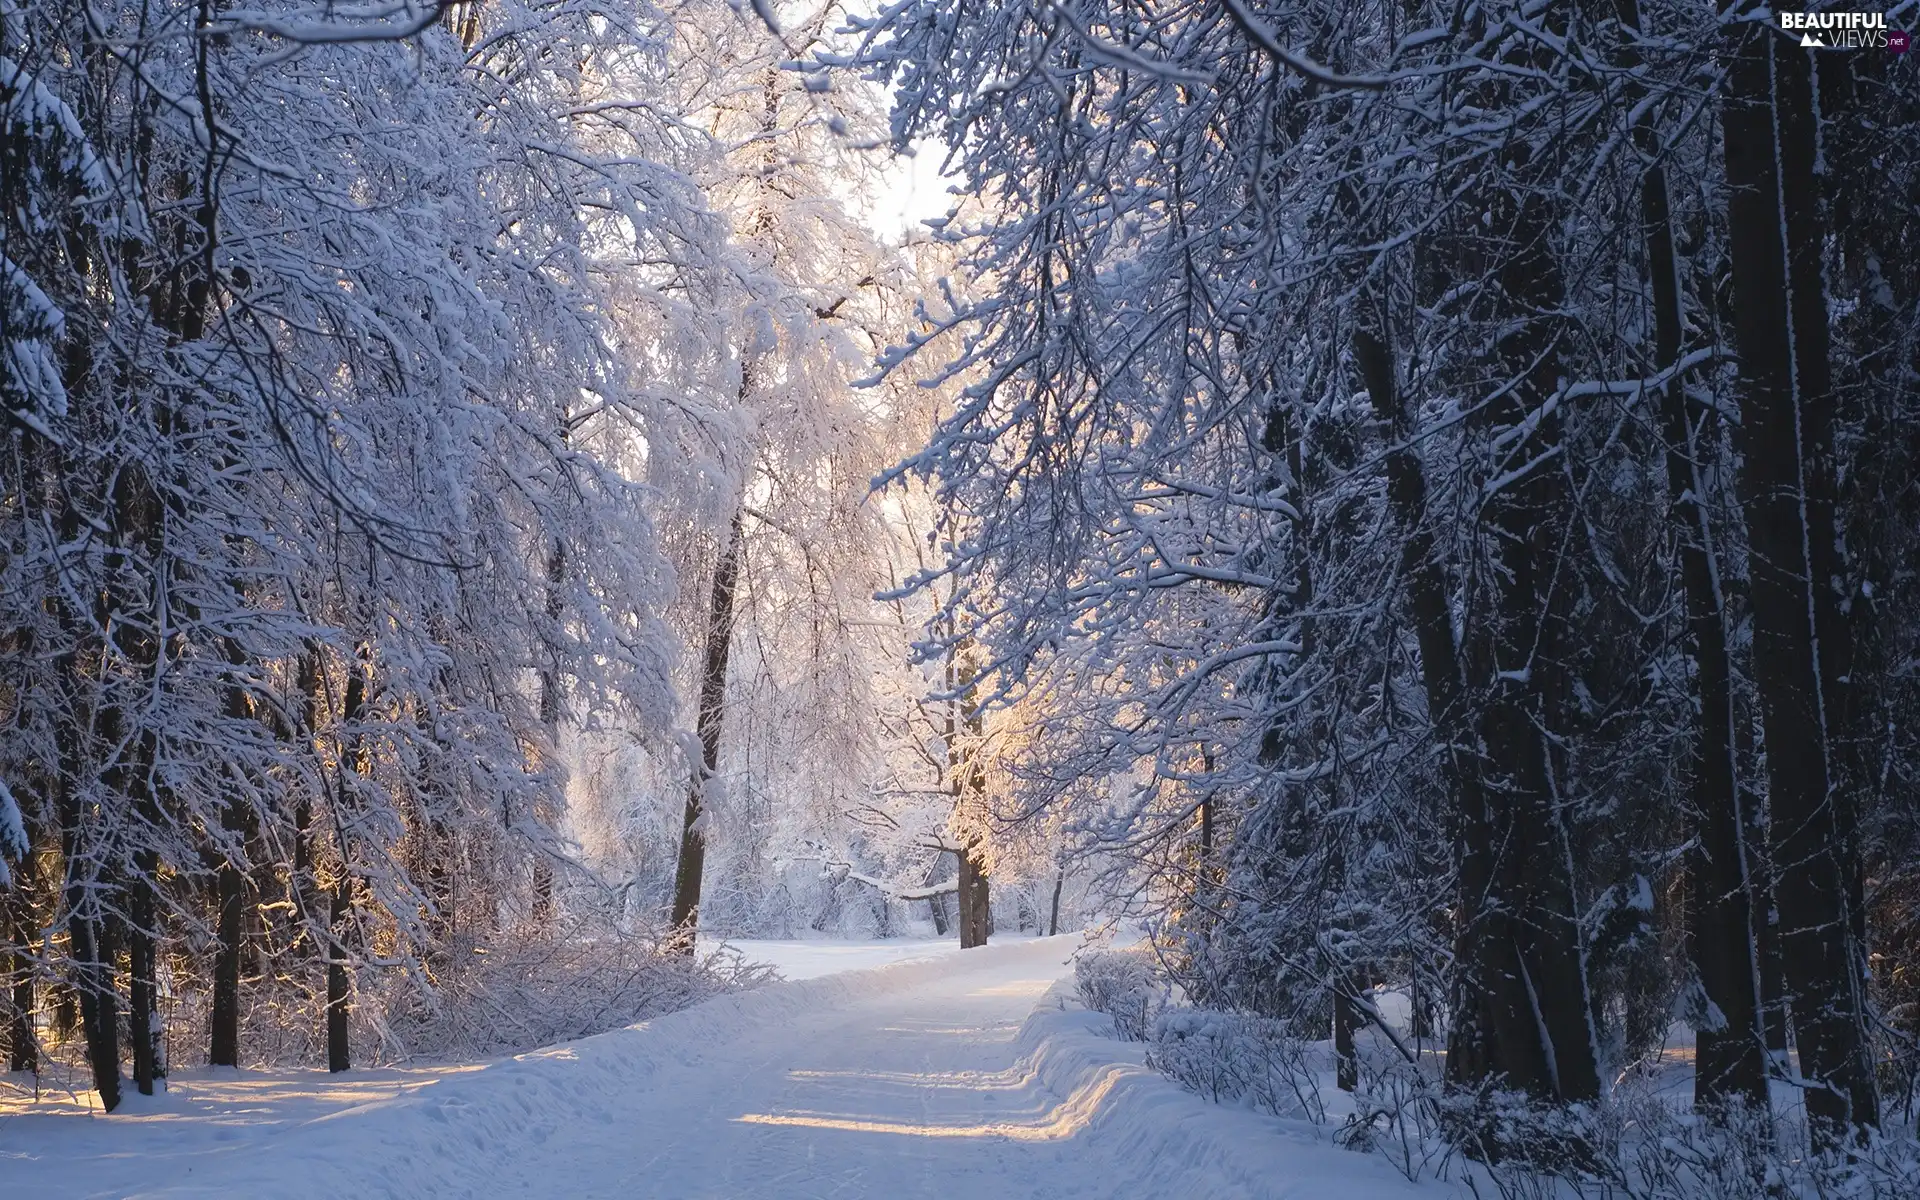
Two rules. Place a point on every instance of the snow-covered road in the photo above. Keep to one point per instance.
(921, 1079)
(914, 1093)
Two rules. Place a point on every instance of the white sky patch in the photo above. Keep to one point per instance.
(910, 189)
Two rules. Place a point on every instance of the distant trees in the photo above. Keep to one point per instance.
(1403, 460)
(780, 536)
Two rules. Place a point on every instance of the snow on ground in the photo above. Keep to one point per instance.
(810, 959)
(966, 1076)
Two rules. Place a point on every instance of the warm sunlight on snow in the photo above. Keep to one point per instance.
(1290, 600)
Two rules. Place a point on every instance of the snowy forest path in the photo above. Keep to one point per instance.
(915, 1093)
(904, 1081)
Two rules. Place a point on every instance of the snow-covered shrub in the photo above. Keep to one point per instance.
(1125, 985)
(516, 989)
(522, 993)
(1641, 1146)
(1397, 1112)
(1234, 1058)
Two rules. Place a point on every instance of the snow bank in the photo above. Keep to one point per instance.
(1161, 1132)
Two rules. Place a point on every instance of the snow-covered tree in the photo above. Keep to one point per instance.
(326, 496)
(1374, 444)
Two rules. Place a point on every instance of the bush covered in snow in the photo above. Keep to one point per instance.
(1125, 985)
(1642, 1142)
(1232, 1058)
(523, 994)
(1639, 1146)
(518, 989)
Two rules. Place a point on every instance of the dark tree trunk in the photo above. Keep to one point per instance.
(143, 1012)
(340, 905)
(300, 881)
(1753, 819)
(180, 301)
(131, 606)
(23, 1052)
(1519, 1000)
(712, 715)
(975, 920)
(1801, 642)
(224, 1019)
(542, 889)
(1346, 1022)
(1053, 916)
(1730, 1061)
(1773, 980)
(99, 1004)
(339, 986)
(1206, 839)
(1522, 947)
(16, 928)
(1420, 1002)
(93, 985)
(1427, 597)
(550, 712)
(1721, 930)
(66, 1011)
(436, 870)
(134, 781)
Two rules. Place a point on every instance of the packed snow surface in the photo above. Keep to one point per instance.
(968, 1076)
(812, 958)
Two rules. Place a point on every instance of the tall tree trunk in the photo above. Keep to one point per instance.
(133, 780)
(974, 900)
(143, 1011)
(1528, 955)
(93, 975)
(1346, 1022)
(23, 1051)
(132, 606)
(1520, 1008)
(713, 710)
(550, 706)
(937, 903)
(340, 901)
(1866, 104)
(1774, 1008)
(1053, 915)
(1722, 934)
(301, 889)
(92, 984)
(339, 984)
(1206, 836)
(223, 1021)
(16, 929)
(1427, 591)
(1801, 639)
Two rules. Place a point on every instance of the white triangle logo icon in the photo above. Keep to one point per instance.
(1810, 42)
